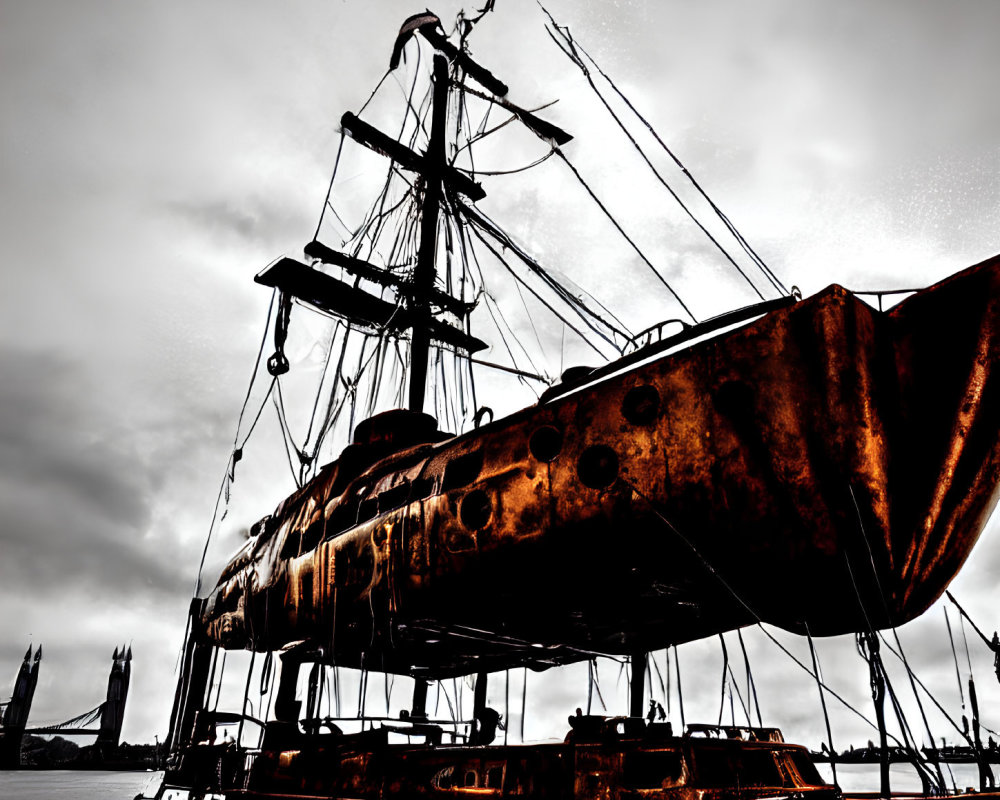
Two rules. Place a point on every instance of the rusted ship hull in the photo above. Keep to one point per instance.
(366, 767)
(847, 456)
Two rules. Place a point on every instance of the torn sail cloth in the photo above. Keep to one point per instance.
(409, 27)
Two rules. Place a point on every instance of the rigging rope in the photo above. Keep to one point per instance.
(923, 714)
(621, 230)
(868, 644)
(734, 686)
(822, 700)
(524, 700)
(917, 757)
(964, 733)
(904, 728)
(246, 700)
(659, 675)
(711, 569)
(965, 641)
(542, 300)
(680, 691)
(329, 190)
(597, 685)
(286, 435)
(954, 653)
(471, 258)
(515, 171)
(237, 451)
(666, 668)
(575, 58)
(564, 30)
(313, 454)
(482, 224)
(751, 684)
(725, 674)
(218, 689)
(590, 685)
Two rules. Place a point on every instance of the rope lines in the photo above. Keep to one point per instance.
(822, 700)
(564, 40)
(603, 328)
(725, 584)
(621, 230)
(237, 452)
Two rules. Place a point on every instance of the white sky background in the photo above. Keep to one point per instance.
(156, 156)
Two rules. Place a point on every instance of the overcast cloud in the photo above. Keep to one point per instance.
(155, 156)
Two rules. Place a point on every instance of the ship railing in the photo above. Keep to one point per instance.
(654, 342)
(591, 727)
(743, 732)
(222, 719)
(406, 726)
(658, 334)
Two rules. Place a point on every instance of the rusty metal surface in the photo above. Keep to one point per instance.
(646, 762)
(825, 465)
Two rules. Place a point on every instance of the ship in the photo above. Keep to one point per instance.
(819, 464)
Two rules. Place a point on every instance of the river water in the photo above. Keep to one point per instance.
(92, 785)
(902, 777)
(74, 785)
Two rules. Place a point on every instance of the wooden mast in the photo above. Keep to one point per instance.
(637, 695)
(423, 276)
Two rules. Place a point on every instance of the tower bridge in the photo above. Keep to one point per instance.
(108, 715)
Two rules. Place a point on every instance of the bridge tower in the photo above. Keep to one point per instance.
(113, 711)
(15, 713)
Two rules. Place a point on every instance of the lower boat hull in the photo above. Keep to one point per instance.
(647, 763)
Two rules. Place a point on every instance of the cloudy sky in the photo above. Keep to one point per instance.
(156, 156)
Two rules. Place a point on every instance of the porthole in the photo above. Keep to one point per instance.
(598, 466)
(475, 510)
(641, 405)
(462, 470)
(545, 443)
(367, 509)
